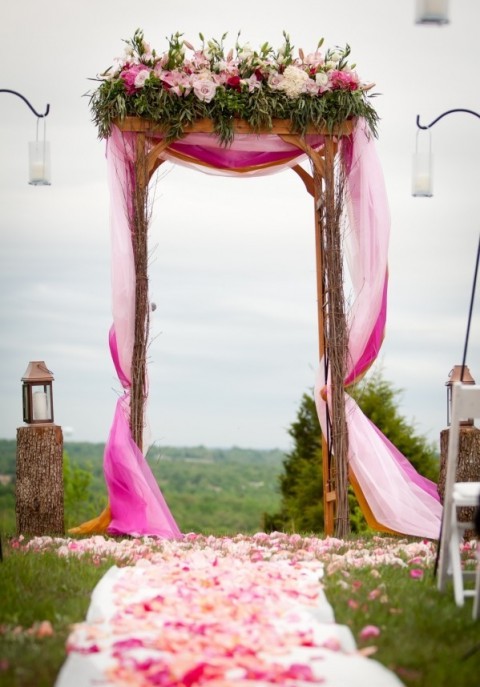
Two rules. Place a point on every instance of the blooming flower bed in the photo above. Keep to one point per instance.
(185, 84)
(335, 554)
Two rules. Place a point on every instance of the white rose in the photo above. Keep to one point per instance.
(141, 78)
(245, 51)
(275, 81)
(204, 89)
(321, 79)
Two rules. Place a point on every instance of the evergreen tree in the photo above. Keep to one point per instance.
(301, 483)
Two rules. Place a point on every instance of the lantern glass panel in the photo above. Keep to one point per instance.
(37, 403)
(422, 175)
(422, 167)
(26, 403)
(39, 167)
(41, 402)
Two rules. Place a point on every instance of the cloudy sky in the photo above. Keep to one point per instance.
(232, 270)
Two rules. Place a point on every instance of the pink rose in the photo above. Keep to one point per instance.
(129, 74)
(346, 81)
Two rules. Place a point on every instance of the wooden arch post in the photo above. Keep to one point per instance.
(323, 185)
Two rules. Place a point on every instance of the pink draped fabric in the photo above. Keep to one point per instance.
(248, 155)
(137, 505)
(136, 502)
(246, 151)
(399, 497)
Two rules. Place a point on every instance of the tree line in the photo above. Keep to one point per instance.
(225, 491)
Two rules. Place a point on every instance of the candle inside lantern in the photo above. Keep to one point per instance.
(422, 185)
(39, 167)
(40, 408)
(422, 175)
(37, 171)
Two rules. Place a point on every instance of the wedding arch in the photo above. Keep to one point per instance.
(255, 113)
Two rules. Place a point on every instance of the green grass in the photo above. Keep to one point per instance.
(424, 638)
(35, 587)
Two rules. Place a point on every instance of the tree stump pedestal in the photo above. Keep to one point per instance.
(468, 466)
(39, 487)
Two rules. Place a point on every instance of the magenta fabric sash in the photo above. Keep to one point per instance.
(136, 502)
(246, 151)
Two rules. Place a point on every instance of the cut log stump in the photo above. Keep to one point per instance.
(39, 488)
(468, 466)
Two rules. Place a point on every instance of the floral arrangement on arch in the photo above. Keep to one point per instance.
(186, 84)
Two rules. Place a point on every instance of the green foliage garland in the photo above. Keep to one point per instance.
(175, 90)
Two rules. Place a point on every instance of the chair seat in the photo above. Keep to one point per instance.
(466, 493)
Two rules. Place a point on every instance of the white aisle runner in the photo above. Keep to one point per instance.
(200, 618)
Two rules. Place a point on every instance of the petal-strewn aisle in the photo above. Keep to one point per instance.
(220, 612)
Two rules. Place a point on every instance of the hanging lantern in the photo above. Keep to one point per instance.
(37, 394)
(39, 159)
(422, 172)
(459, 373)
(431, 12)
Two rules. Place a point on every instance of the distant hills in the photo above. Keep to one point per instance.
(222, 491)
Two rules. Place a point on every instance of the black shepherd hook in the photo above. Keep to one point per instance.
(472, 299)
(444, 114)
(37, 114)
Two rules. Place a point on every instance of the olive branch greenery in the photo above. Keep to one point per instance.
(112, 101)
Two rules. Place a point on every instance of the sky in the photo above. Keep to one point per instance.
(234, 336)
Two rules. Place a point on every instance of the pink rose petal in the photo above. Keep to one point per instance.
(369, 631)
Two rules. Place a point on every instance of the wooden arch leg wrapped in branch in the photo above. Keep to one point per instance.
(336, 334)
(139, 231)
(328, 192)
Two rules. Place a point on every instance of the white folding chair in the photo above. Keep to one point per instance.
(465, 406)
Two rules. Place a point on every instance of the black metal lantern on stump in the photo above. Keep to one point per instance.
(37, 394)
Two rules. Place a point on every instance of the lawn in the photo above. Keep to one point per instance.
(383, 588)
